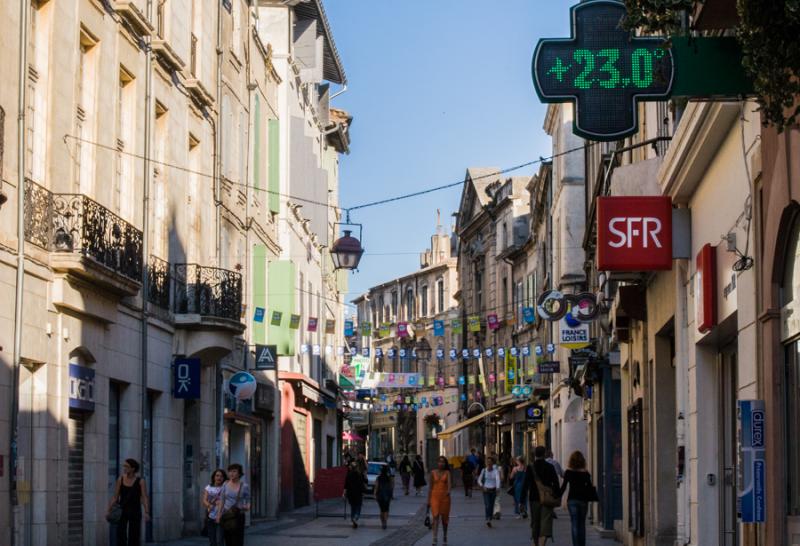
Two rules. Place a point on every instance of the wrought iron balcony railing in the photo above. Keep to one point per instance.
(74, 223)
(158, 282)
(207, 291)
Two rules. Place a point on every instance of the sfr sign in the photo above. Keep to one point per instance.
(634, 233)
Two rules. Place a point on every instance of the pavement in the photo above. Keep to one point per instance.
(406, 528)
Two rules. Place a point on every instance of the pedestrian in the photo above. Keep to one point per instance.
(362, 463)
(211, 496)
(130, 494)
(392, 469)
(517, 479)
(467, 475)
(550, 459)
(581, 493)
(419, 475)
(354, 485)
(405, 473)
(383, 494)
(439, 498)
(489, 480)
(542, 487)
(234, 501)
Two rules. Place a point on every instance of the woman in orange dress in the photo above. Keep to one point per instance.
(439, 498)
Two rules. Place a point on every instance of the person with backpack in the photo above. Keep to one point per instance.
(581, 493)
(489, 480)
(543, 489)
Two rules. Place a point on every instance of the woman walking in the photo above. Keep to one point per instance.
(581, 493)
(211, 495)
(439, 498)
(467, 475)
(233, 502)
(419, 475)
(383, 494)
(541, 483)
(354, 484)
(405, 473)
(130, 493)
(517, 479)
(489, 480)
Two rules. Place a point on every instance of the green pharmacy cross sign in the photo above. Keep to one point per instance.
(603, 70)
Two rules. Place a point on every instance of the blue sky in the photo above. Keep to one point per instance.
(435, 86)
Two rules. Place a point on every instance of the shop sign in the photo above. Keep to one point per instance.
(186, 378)
(752, 462)
(549, 366)
(705, 294)
(266, 357)
(81, 387)
(573, 334)
(634, 233)
(534, 414)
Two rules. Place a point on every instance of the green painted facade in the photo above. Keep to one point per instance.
(281, 281)
(274, 166)
(259, 292)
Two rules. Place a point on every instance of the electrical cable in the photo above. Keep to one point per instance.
(745, 261)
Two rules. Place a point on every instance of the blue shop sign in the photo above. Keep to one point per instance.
(186, 378)
(81, 388)
(752, 445)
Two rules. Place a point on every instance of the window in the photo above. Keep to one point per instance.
(85, 112)
(161, 18)
(478, 282)
(504, 296)
(37, 111)
(424, 311)
(126, 113)
(197, 31)
(394, 304)
(440, 292)
(195, 210)
(410, 304)
(790, 288)
(635, 469)
(160, 197)
(504, 236)
(381, 310)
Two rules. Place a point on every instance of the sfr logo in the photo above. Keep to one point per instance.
(625, 237)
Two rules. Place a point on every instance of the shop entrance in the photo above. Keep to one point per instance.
(728, 449)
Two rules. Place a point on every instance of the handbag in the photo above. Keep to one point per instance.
(115, 514)
(546, 496)
(510, 491)
(230, 518)
(428, 517)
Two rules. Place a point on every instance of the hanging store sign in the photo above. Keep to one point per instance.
(81, 387)
(266, 357)
(752, 462)
(603, 70)
(705, 295)
(554, 305)
(535, 414)
(634, 233)
(573, 334)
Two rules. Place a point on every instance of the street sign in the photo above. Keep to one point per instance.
(550, 366)
(266, 357)
(752, 464)
(603, 70)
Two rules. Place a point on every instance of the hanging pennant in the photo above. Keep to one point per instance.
(511, 319)
(366, 328)
(489, 352)
(340, 350)
(492, 322)
(526, 350)
(456, 326)
(474, 323)
(403, 353)
(277, 316)
(391, 353)
(328, 350)
(365, 352)
(501, 352)
(304, 348)
(461, 379)
(294, 322)
(514, 351)
(330, 326)
(316, 350)
(453, 354)
(465, 353)
(402, 329)
(348, 328)
(378, 352)
(476, 353)
(492, 377)
(312, 324)
(551, 348)
(539, 350)
(385, 329)
(353, 351)
(440, 354)
(438, 328)
(528, 315)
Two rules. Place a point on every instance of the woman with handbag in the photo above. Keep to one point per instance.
(211, 496)
(542, 487)
(233, 502)
(489, 480)
(439, 498)
(581, 493)
(125, 508)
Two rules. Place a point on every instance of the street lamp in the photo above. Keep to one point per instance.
(346, 251)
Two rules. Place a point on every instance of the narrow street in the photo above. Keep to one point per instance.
(406, 526)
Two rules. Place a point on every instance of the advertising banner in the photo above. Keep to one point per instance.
(752, 463)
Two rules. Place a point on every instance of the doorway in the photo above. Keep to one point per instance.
(728, 449)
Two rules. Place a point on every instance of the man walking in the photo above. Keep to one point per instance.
(550, 459)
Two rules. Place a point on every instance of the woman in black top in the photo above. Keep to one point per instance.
(354, 485)
(131, 494)
(581, 493)
(383, 494)
(419, 475)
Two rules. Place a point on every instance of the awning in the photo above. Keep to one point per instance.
(448, 433)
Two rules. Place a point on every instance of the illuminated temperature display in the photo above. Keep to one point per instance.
(603, 70)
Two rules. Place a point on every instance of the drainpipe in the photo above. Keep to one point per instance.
(148, 127)
(218, 218)
(682, 345)
(21, 94)
(339, 92)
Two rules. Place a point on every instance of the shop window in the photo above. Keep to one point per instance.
(789, 287)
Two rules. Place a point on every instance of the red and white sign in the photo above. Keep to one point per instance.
(705, 293)
(634, 233)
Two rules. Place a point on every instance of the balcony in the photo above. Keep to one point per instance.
(85, 239)
(159, 277)
(207, 297)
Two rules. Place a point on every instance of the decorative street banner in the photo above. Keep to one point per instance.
(312, 324)
(366, 328)
(294, 322)
(573, 334)
(348, 328)
(438, 328)
(752, 484)
(453, 355)
(365, 352)
(526, 350)
(440, 354)
(330, 326)
(277, 317)
(492, 322)
(402, 329)
(529, 315)
(259, 314)
(456, 327)
(474, 323)
(489, 352)
(385, 329)
(315, 350)
(511, 319)
(549, 366)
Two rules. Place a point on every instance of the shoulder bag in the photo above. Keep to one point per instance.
(115, 514)
(546, 496)
(230, 517)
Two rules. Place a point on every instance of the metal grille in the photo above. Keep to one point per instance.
(158, 282)
(75, 480)
(207, 291)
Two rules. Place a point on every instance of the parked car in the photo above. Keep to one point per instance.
(373, 471)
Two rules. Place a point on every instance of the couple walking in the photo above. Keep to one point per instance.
(355, 484)
(225, 499)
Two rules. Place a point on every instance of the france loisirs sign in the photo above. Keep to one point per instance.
(634, 233)
(603, 70)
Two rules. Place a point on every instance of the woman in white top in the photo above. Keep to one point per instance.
(211, 496)
(489, 481)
